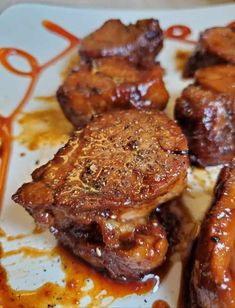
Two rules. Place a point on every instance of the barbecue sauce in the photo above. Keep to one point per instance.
(181, 57)
(76, 271)
(47, 127)
(34, 73)
(179, 32)
(160, 304)
(77, 275)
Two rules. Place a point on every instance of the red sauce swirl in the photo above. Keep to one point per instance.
(33, 73)
(179, 32)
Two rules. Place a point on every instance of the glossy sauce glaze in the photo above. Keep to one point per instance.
(46, 127)
(178, 32)
(77, 275)
(160, 304)
(36, 69)
(174, 217)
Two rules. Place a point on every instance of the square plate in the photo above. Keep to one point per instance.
(37, 272)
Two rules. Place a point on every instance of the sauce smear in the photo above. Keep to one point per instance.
(36, 69)
(46, 127)
(181, 57)
(77, 276)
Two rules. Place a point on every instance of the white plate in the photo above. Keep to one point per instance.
(20, 27)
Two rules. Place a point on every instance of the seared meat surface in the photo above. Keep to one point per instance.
(98, 191)
(216, 46)
(139, 42)
(217, 78)
(207, 115)
(117, 71)
(110, 83)
(212, 280)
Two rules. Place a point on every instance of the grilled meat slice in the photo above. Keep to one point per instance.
(99, 189)
(215, 46)
(139, 42)
(208, 121)
(107, 84)
(218, 78)
(212, 280)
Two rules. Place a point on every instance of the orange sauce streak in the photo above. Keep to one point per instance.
(2, 233)
(37, 230)
(11, 238)
(179, 32)
(46, 99)
(34, 73)
(76, 275)
(26, 251)
(160, 304)
(77, 272)
(181, 57)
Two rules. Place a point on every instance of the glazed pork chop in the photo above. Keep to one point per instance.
(212, 280)
(97, 193)
(110, 83)
(206, 113)
(216, 46)
(139, 42)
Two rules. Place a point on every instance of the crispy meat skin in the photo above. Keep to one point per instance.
(216, 46)
(99, 190)
(212, 280)
(110, 83)
(139, 42)
(207, 115)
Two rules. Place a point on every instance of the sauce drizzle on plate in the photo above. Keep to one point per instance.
(34, 73)
(76, 272)
(77, 276)
(179, 32)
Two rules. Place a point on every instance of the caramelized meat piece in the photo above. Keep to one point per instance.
(142, 249)
(110, 83)
(206, 112)
(208, 121)
(212, 280)
(139, 42)
(97, 194)
(218, 78)
(216, 46)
